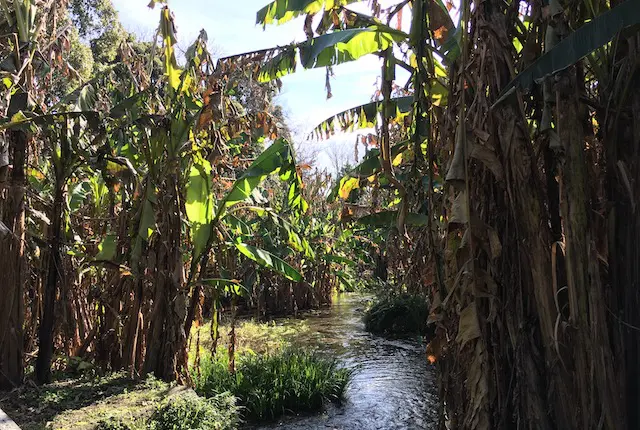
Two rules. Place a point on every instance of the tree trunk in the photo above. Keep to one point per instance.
(12, 263)
(54, 273)
(166, 339)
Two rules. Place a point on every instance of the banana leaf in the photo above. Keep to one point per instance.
(270, 261)
(576, 46)
(281, 11)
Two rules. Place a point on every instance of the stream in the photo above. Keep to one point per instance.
(393, 386)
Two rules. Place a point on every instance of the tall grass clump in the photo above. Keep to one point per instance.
(270, 385)
(401, 314)
(192, 412)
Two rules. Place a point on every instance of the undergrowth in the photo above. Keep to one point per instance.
(270, 385)
(400, 314)
(191, 411)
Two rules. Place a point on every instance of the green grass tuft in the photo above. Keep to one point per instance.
(401, 314)
(271, 385)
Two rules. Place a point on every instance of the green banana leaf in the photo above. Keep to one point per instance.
(268, 260)
(224, 285)
(199, 205)
(576, 46)
(330, 49)
(277, 158)
(296, 240)
(107, 248)
(281, 11)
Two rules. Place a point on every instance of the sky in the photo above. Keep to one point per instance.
(230, 26)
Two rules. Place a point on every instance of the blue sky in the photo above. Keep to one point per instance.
(231, 28)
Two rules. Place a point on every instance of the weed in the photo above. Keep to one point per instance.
(115, 424)
(270, 385)
(191, 412)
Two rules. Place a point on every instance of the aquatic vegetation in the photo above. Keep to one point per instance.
(399, 314)
(270, 385)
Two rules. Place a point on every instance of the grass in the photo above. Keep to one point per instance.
(252, 336)
(401, 314)
(116, 402)
(270, 385)
(82, 402)
(191, 411)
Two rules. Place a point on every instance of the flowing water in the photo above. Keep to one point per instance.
(393, 386)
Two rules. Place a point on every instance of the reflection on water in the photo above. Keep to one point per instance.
(393, 387)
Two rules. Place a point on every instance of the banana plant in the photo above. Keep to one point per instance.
(340, 42)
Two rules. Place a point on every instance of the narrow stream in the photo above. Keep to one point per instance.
(393, 386)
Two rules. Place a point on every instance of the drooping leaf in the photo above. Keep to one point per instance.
(199, 204)
(363, 116)
(168, 33)
(238, 225)
(267, 259)
(107, 248)
(345, 279)
(86, 98)
(145, 227)
(331, 49)
(468, 326)
(277, 158)
(390, 218)
(281, 11)
(295, 239)
(576, 46)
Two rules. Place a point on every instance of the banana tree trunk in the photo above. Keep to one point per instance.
(12, 263)
(166, 339)
(54, 273)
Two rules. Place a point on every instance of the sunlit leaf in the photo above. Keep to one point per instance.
(281, 11)
(199, 204)
(168, 33)
(347, 185)
(332, 49)
(363, 116)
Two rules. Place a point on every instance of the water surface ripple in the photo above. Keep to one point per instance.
(393, 386)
